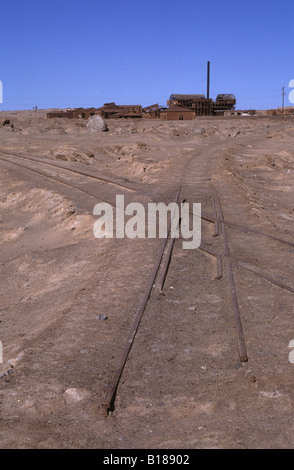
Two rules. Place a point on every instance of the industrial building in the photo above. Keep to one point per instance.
(108, 110)
(204, 106)
(112, 110)
(177, 113)
(179, 107)
(72, 113)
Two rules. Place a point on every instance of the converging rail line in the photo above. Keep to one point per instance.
(238, 323)
(54, 178)
(159, 274)
(78, 172)
(61, 179)
(108, 402)
(72, 170)
(163, 259)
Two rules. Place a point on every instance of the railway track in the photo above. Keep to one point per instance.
(227, 264)
(78, 172)
(226, 261)
(96, 187)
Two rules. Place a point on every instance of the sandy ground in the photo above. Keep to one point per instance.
(68, 300)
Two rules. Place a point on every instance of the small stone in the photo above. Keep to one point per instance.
(101, 317)
(192, 308)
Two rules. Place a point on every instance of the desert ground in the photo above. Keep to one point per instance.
(69, 299)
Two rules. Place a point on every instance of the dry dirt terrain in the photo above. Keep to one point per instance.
(68, 299)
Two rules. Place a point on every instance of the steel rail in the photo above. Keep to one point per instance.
(55, 179)
(83, 173)
(263, 275)
(162, 274)
(109, 399)
(249, 267)
(238, 324)
(216, 222)
(166, 262)
(241, 228)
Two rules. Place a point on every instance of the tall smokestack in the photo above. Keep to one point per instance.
(208, 78)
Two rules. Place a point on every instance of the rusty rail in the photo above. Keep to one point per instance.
(108, 401)
(239, 329)
(82, 173)
(162, 275)
(253, 269)
(166, 262)
(216, 224)
(242, 228)
(267, 277)
(58, 180)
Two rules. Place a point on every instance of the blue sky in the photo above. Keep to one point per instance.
(70, 53)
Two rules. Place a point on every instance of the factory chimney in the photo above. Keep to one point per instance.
(208, 78)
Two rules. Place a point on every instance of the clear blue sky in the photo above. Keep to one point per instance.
(70, 53)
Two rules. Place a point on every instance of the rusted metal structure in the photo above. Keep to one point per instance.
(184, 100)
(224, 102)
(112, 110)
(204, 106)
(200, 105)
(73, 113)
(226, 99)
(108, 110)
(151, 108)
(153, 111)
(179, 107)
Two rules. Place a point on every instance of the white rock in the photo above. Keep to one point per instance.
(74, 395)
